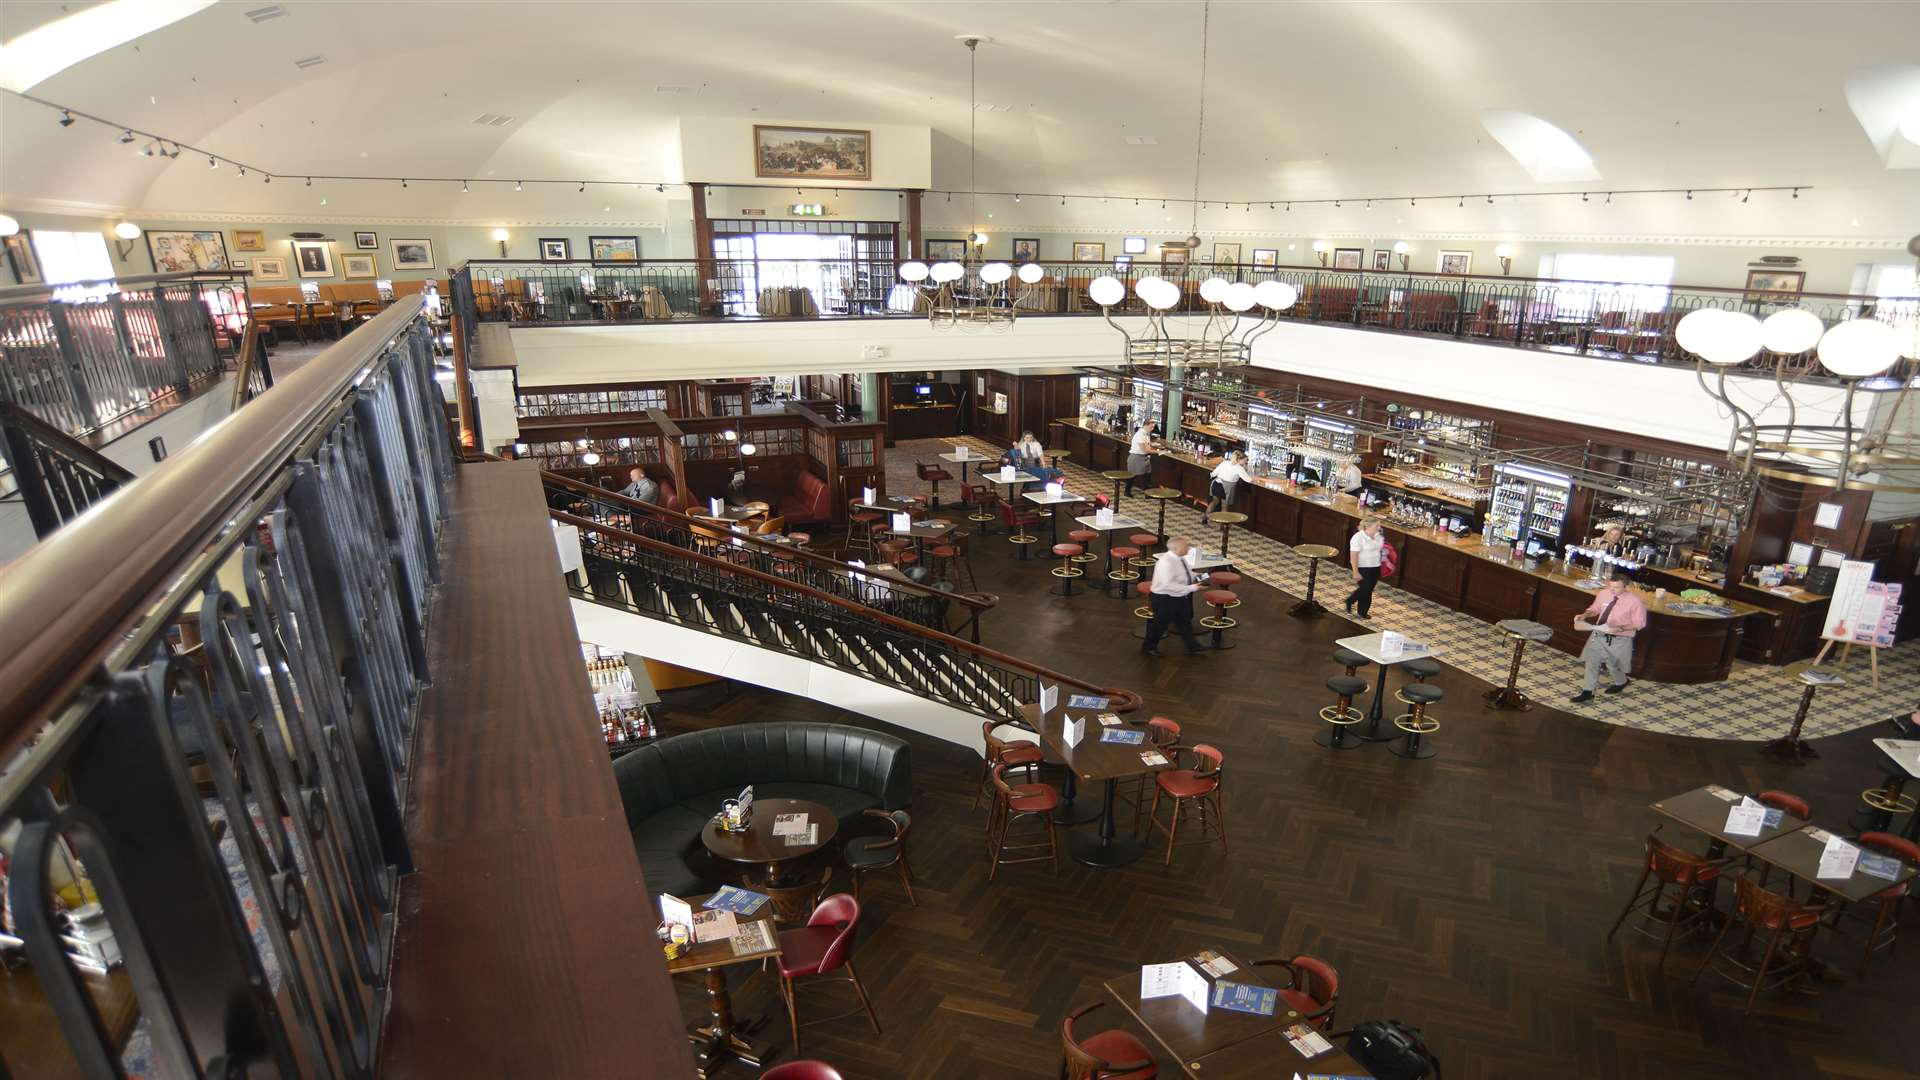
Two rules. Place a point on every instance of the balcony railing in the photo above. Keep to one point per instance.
(83, 355)
(207, 694)
(1612, 320)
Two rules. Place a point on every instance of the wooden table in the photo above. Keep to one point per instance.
(1119, 477)
(1368, 645)
(1704, 810)
(1226, 519)
(922, 531)
(1798, 853)
(720, 1038)
(1313, 553)
(1271, 1055)
(757, 844)
(1162, 495)
(1095, 760)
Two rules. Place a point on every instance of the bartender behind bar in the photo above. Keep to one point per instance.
(1614, 617)
(1347, 480)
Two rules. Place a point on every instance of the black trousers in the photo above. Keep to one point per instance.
(1174, 611)
(1362, 595)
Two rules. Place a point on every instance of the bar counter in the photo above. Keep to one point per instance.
(1459, 572)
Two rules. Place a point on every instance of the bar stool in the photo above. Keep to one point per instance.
(1123, 559)
(1143, 541)
(1886, 922)
(1227, 519)
(1015, 754)
(1066, 571)
(1417, 722)
(1085, 538)
(1220, 622)
(1144, 590)
(1223, 579)
(1011, 804)
(1350, 660)
(1778, 917)
(1694, 880)
(1341, 714)
(1421, 668)
(1164, 735)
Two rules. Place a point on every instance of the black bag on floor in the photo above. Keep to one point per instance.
(1391, 1050)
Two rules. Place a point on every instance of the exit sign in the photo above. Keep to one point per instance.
(805, 209)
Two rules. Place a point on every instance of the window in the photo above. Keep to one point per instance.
(1645, 278)
(1896, 288)
(72, 256)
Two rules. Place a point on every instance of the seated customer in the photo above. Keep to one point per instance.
(641, 488)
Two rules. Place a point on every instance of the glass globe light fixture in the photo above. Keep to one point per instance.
(1695, 328)
(943, 272)
(1031, 273)
(9, 225)
(1106, 290)
(1213, 290)
(995, 273)
(1791, 331)
(1858, 348)
(913, 270)
(1735, 339)
(590, 458)
(1159, 294)
(747, 449)
(1239, 297)
(1275, 295)
(127, 230)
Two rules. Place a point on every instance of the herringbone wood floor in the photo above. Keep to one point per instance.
(1468, 895)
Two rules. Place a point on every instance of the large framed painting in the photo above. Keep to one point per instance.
(947, 250)
(313, 258)
(411, 254)
(357, 265)
(1266, 258)
(20, 258)
(182, 251)
(269, 268)
(249, 240)
(1089, 251)
(1774, 286)
(1026, 250)
(1455, 262)
(1348, 258)
(812, 153)
(614, 249)
(1226, 253)
(555, 249)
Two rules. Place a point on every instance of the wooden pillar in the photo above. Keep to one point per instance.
(703, 247)
(915, 247)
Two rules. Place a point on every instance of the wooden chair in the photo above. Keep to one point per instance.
(866, 854)
(1109, 1055)
(822, 946)
(1013, 753)
(1198, 786)
(775, 525)
(1164, 734)
(1011, 804)
(1313, 988)
(1782, 919)
(1886, 920)
(1694, 880)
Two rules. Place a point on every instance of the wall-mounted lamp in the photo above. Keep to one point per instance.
(126, 232)
(1402, 249)
(747, 449)
(501, 235)
(1505, 254)
(9, 225)
(1320, 249)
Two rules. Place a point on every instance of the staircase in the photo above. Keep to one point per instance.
(857, 630)
(54, 474)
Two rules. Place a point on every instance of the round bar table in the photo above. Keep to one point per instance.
(1791, 745)
(1119, 477)
(1313, 553)
(1163, 495)
(1227, 519)
(1519, 631)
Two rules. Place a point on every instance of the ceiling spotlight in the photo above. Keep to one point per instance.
(662, 188)
(1369, 204)
(66, 118)
(266, 178)
(243, 170)
(1747, 196)
(212, 164)
(1063, 201)
(147, 151)
(1796, 193)
(1289, 208)
(309, 181)
(1489, 200)
(463, 187)
(583, 187)
(1609, 198)
(1463, 202)
(1689, 196)
(323, 200)
(1411, 202)
(1336, 204)
(1016, 196)
(517, 184)
(1583, 196)
(126, 136)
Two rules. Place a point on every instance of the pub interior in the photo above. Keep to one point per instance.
(967, 569)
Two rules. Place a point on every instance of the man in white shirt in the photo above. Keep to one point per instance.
(1171, 597)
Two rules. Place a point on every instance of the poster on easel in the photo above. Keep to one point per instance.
(1849, 606)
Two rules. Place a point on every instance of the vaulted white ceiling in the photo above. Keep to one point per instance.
(1304, 101)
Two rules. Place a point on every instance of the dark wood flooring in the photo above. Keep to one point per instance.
(1469, 895)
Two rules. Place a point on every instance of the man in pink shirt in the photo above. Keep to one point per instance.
(1614, 617)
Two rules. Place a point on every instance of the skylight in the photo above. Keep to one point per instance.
(47, 50)
(1548, 154)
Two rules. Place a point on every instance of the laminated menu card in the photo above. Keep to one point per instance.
(1392, 644)
(1241, 997)
(1213, 963)
(1123, 736)
(1177, 979)
(737, 900)
(808, 835)
(1087, 701)
(1306, 1041)
(752, 937)
(1108, 719)
(1746, 818)
(1071, 730)
(713, 926)
(1838, 859)
(789, 824)
(1884, 867)
(1152, 758)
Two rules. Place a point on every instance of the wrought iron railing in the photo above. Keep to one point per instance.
(85, 354)
(1611, 320)
(251, 611)
(712, 592)
(940, 609)
(55, 475)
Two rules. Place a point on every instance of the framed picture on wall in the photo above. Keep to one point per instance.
(269, 268)
(1774, 286)
(1455, 262)
(1382, 259)
(1174, 256)
(1348, 258)
(1226, 253)
(357, 265)
(1121, 262)
(555, 249)
(812, 153)
(366, 241)
(249, 240)
(411, 254)
(313, 258)
(614, 249)
(21, 260)
(1266, 258)
(1089, 251)
(946, 250)
(1026, 249)
(180, 251)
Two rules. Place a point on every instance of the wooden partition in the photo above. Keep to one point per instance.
(601, 400)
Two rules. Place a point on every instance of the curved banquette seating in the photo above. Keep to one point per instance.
(672, 787)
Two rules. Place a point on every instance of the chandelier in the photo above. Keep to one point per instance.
(1225, 339)
(951, 294)
(1855, 427)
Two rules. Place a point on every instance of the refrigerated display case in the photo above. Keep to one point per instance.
(1529, 506)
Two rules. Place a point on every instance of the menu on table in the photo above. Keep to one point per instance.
(750, 938)
(789, 824)
(713, 926)
(1108, 719)
(1153, 757)
(1214, 964)
(1837, 859)
(1242, 997)
(1306, 1041)
(1884, 867)
(1177, 979)
(1087, 701)
(737, 900)
(1123, 736)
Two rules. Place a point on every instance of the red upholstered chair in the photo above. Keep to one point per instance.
(802, 1070)
(1011, 804)
(1198, 786)
(1015, 754)
(1164, 734)
(933, 474)
(1785, 802)
(1313, 988)
(980, 499)
(1018, 520)
(1886, 919)
(1109, 1055)
(1767, 917)
(810, 503)
(822, 946)
(1694, 881)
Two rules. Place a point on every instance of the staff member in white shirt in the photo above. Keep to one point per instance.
(1363, 552)
(1171, 597)
(1140, 455)
(1226, 478)
(1347, 480)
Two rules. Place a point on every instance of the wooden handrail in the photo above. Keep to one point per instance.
(783, 550)
(858, 610)
(67, 604)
